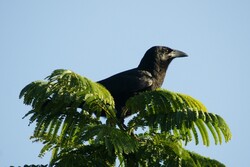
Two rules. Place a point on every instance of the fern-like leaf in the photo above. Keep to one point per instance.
(55, 107)
(114, 139)
(164, 149)
(174, 112)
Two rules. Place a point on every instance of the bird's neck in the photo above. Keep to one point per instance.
(157, 70)
(159, 76)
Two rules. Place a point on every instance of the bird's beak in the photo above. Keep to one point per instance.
(177, 53)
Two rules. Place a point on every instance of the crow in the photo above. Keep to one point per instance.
(148, 76)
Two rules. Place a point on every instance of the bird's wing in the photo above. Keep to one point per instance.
(128, 82)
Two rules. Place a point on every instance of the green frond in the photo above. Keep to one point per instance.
(213, 132)
(200, 124)
(164, 149)
(201, 161)
(89, 155)
(114, 139)
(177, 113)
(195, 134)
(112, 142)
(55, 107)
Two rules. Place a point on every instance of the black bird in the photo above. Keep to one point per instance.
(149, 75)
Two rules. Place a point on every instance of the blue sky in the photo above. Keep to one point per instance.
(100, 38)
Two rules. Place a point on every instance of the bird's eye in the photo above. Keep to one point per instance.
(167, 50)
(163, 51)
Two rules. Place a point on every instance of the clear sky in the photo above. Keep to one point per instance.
(101, 38)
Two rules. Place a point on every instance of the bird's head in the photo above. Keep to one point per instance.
(165, 53)
(159, 57)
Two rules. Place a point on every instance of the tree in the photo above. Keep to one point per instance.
(162, 122)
